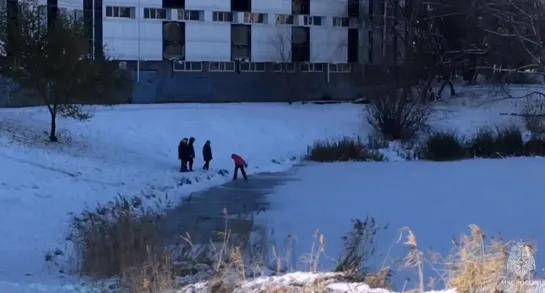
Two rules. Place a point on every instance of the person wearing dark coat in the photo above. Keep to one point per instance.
(191, 153)
(182, 154)
(207, 155)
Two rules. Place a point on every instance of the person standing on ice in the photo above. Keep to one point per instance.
(239, 164)
(182, 154)
(191, 153)
(206, 155)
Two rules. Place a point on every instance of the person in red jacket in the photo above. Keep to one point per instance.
(239, 164)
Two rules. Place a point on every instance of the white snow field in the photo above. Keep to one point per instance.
(129, 150)
(133, 149)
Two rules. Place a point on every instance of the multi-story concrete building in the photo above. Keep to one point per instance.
(222, 50)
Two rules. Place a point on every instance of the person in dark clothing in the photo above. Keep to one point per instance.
(207, 155)
(191, 153)
(240, 164)
(182, 154)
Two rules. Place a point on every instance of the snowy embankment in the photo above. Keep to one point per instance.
(132, 150)
(299, 282)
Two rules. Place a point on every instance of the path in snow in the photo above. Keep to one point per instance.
(201, 215)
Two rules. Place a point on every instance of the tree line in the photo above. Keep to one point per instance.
(50, 62)
(430, 39)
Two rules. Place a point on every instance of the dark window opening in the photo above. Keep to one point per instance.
(52, 12)
(300, 7)
(177, 4)
(353, 45)
(241, 5)
(173, 40)
(222, 16)
(241, 42)
(353, 8)
(300, 44)
(99, 29)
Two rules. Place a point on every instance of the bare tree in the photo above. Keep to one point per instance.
(52, 62)
(290, 70)
(516, 26)
(283, 44)
(436, 37)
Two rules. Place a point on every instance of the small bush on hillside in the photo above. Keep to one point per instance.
(497, 143)
(483, 143)
(122, 239)
(533, 113)
(509, 141)
(396, 114)
(345, 149)
(444, 146)
(535, 147)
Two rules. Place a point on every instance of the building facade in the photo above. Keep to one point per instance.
(231, 50)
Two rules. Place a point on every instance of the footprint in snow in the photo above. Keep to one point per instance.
(223, 172)
(184, 181)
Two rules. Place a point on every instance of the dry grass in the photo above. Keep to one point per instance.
(156, 274)
(122, 240)
(477, 263)
(341, 150)
(234, 265)
(115, 237)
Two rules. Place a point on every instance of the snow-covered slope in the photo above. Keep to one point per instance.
(133, 149)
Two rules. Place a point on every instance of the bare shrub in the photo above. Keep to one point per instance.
(359, 247)
(344, 149)
(444, 146)
(535, 147)
(397, 113)
(533, 112)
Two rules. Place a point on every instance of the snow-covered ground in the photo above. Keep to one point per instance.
(298, 282)
(132, 150)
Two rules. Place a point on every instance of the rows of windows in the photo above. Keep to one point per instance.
(260, 67)
(120, 12)
(76, 13)
(224, 16)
